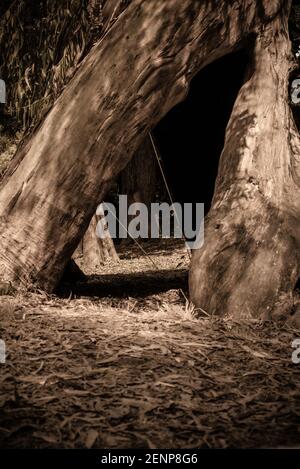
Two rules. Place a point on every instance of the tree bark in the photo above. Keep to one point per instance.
(249, 264)
(138, 182)
(94, 251)
(138, 71)
(140, 175)
(139, 179)
(89, 250)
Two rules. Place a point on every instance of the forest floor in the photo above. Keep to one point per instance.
(122, 362)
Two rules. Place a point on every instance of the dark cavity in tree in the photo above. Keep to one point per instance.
(191, 136)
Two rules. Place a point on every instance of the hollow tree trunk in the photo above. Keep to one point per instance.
(54, 184)
(249, 264)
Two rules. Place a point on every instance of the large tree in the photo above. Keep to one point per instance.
(132, 77)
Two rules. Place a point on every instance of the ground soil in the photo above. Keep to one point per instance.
(121, 360)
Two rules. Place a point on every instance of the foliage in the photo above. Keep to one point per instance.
(43, 43)
(8, 146)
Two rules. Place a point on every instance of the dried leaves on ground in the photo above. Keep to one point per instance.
(143, 372)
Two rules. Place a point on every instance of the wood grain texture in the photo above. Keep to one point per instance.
(137, 72)
(249, 265)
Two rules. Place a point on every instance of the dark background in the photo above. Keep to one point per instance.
(190, 138)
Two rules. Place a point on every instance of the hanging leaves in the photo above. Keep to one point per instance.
(43, 43)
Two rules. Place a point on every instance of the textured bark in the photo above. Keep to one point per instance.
(140, 175)
(130, 79)
(250, 261)
(89, 249)
(138, 71)
(139, 180)
(93, 250)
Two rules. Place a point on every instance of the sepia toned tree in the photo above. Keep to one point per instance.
(42, 44)
(250, 261)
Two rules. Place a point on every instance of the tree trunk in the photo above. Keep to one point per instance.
(140, 175)
(138, 71)
(89, 251)
(94, 251)
(249, 264)
(139, 180)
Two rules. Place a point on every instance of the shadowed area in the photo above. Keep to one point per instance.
(156, 267)
(131, 284)
(191, 136)
(190, 140)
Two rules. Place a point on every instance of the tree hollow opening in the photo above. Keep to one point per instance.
(191, 136)
(190, 139)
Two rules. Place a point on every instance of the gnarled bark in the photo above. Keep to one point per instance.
(51, 193)
(250, 261)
